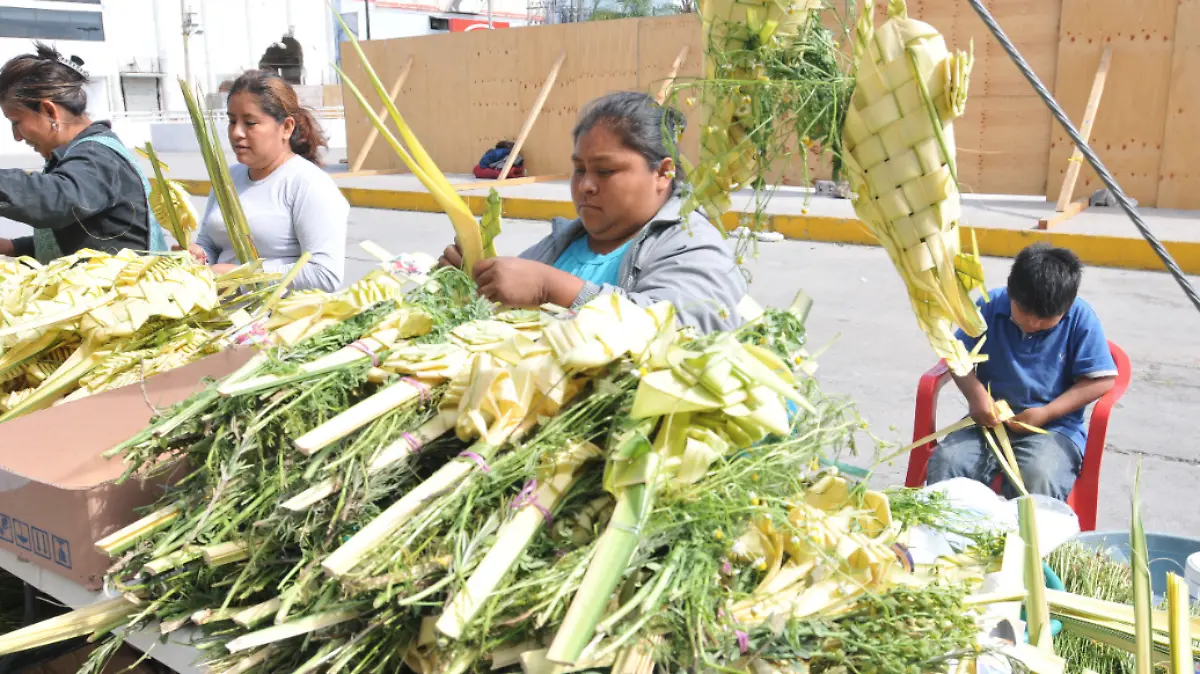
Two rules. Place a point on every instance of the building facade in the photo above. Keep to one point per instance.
(136, 50)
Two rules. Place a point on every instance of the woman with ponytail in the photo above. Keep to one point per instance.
(631, 236)
(292, 206)
(91, 192)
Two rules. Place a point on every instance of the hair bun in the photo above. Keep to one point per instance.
(46, 52)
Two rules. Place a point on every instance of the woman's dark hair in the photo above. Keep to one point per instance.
(640, 123)
(278, 99)
(44, 76)
(1045, 280)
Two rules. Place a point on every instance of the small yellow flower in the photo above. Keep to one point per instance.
(806, 142)
(691, 100)
(754, 477)
(718, 534)
(803, 211)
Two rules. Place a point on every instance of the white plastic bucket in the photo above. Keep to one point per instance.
(1192, 574)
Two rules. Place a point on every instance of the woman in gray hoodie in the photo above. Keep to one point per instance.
(630, 236)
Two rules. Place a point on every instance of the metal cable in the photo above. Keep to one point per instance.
(1091, 157)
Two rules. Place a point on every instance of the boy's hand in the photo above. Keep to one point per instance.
(1037, 417)
(983, 409)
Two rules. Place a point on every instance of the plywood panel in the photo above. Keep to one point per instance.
(357, 123)
(969, 148)
(1179, 173)
(447, 131)
(495, 105)
(605, 59)
(1131, 121)
(548, 148)
(659, 43)
(1014, 135)
(466, 91)
(1001, 139)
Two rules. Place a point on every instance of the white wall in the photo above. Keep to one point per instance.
(98, 61)
(235, 35)
(237, 32)
(179, 137)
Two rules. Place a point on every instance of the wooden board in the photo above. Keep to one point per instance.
(1179, 173)
(1002, 138)
(1007, 142)
(659, 43)
(1128, 136)
(495, 106)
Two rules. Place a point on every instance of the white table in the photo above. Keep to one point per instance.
(175, 653)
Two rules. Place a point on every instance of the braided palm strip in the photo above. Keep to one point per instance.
(900, 155)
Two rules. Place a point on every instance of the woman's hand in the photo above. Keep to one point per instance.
(451, 257)
(221, 269)
(515, 282)
(198, 254)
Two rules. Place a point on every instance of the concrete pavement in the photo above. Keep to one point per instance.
(880, 353)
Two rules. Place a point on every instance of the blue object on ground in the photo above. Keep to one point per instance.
(1054, 583)
(1166, 553)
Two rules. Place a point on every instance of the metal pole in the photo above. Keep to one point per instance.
(1081, 143)
(367, 17)
(490, 26)
(186, 21)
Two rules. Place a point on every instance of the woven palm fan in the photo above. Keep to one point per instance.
(900, 161)
(733, 30)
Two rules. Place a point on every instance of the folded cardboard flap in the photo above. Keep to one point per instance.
(58, 495)
(62, 445)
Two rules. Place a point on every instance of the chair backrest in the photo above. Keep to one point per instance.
(1085, 495)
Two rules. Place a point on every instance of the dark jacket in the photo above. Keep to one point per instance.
(688, 264)
(87, 194)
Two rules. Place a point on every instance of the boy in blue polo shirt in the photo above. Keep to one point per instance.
(1048, 358)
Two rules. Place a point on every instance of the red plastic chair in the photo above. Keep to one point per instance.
(1086, 492)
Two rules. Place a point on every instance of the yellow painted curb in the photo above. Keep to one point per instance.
(1093, 249)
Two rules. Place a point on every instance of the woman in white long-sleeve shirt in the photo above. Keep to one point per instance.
(292, 205)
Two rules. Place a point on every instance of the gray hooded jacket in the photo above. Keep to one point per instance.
(687, 264)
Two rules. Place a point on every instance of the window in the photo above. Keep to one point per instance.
(51, 24)
(438, 24)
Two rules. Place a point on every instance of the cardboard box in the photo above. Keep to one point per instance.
(58, 494)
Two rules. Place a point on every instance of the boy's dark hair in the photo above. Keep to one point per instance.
(640, 122)
(1045, 280)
